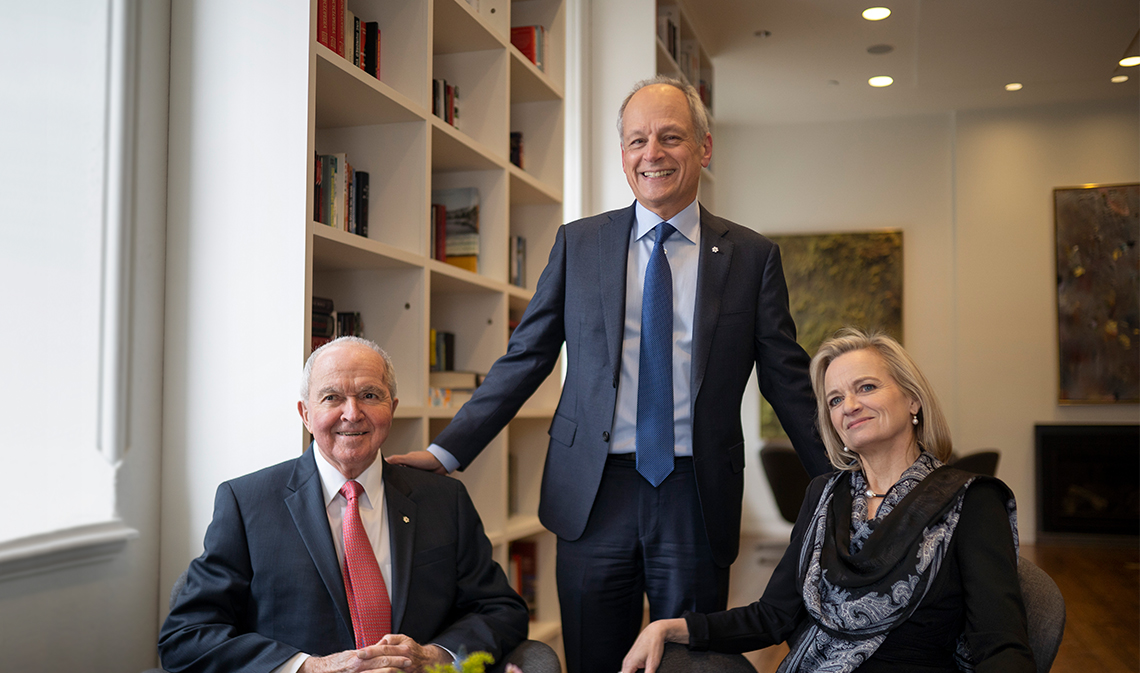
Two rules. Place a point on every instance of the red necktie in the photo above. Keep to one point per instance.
(367, 594)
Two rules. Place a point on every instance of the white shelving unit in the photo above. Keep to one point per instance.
(386, 128)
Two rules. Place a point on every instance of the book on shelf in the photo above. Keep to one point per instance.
(371, 42)
(326, 323)
(441, 351)
(531, 41)
(340, 194)
(523, 573)
(445, 101)
(517, 257)
(668, 29)
(517, 148)
(448, 397)
(460, 207)
(455, 380)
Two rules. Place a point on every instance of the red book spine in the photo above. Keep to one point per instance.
(524, 39)
(338, 26)
(323, 22)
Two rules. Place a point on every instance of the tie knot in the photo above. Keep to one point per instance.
(351, 490)
(664, 231)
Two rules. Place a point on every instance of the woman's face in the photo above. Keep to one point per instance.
(868, 409)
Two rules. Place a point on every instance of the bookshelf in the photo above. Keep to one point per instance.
(679, 54)
(386, 127)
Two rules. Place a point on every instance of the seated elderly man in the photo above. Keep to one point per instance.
(336, 561)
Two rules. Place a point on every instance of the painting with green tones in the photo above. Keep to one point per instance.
(836, 280)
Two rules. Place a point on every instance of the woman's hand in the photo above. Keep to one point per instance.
(650, 645)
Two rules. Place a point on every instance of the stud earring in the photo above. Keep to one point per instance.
(846, 450)
(914, 419)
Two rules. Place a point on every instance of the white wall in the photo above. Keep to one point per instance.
(236, 254)
(94, 616)
(972, 193)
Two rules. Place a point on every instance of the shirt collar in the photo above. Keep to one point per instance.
(685, 222)
(372, 479)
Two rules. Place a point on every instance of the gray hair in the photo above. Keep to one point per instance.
(696, 107)
(932, 432)
(389, 369)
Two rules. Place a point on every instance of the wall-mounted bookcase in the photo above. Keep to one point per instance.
(681, 55)
(387, 128)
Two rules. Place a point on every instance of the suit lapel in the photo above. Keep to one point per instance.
(307, 506)
(402, 522)
(613, 253)
(712, 274)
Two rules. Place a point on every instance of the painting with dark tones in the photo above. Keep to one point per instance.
(836, 280)
(1098, 298)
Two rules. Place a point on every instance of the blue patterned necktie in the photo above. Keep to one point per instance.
(655, 367)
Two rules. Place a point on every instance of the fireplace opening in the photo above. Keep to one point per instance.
(1088, 480)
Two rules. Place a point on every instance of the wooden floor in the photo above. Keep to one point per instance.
(1101, 586)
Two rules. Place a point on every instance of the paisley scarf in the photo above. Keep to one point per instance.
(861, 577)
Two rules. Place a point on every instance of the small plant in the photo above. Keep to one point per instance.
(476, 662)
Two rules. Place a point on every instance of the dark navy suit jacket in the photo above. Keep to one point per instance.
(742, 321)
(269, 584)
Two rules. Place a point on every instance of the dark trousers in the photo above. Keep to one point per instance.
(639, 541)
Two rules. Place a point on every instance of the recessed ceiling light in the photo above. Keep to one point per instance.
(1013, 86)
(876, 13)
(1130, 61)
(1119, 78)
(880, 49)
(880, 81)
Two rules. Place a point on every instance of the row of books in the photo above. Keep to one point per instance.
(358, 41)
(522, 572)
(451, 388)
(340, 194)
(455, 227)
(531, 41)
(517, 148)
(327, 323)
(517, 261)
(441, 351)
(445, 101)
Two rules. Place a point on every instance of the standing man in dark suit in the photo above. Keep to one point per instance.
(334, 561)
(644, 475)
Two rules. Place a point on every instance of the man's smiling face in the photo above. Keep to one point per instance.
(349, 410)
(660, 153)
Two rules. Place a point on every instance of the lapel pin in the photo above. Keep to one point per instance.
(407, 520)
(716, 249)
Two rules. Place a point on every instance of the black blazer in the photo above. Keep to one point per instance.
(269, 584)
(976, 595)
(742, 321)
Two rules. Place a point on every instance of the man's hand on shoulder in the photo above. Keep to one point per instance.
(394, 652)
(421, 460)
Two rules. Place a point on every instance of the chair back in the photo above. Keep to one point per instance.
(981, 462)
(680, 659)
(1045, 610)
(787, 478)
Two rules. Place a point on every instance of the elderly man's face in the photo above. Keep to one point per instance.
(660, 153)
(349, 410)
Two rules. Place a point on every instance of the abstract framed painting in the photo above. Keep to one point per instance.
(837, 280)
(1098, 293)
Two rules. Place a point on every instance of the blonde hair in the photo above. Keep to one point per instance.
(932, 432)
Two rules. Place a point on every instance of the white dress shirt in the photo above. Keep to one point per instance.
(372, 516)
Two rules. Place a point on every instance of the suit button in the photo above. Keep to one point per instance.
(605, 436)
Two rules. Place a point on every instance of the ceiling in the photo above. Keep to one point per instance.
(948, 55)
